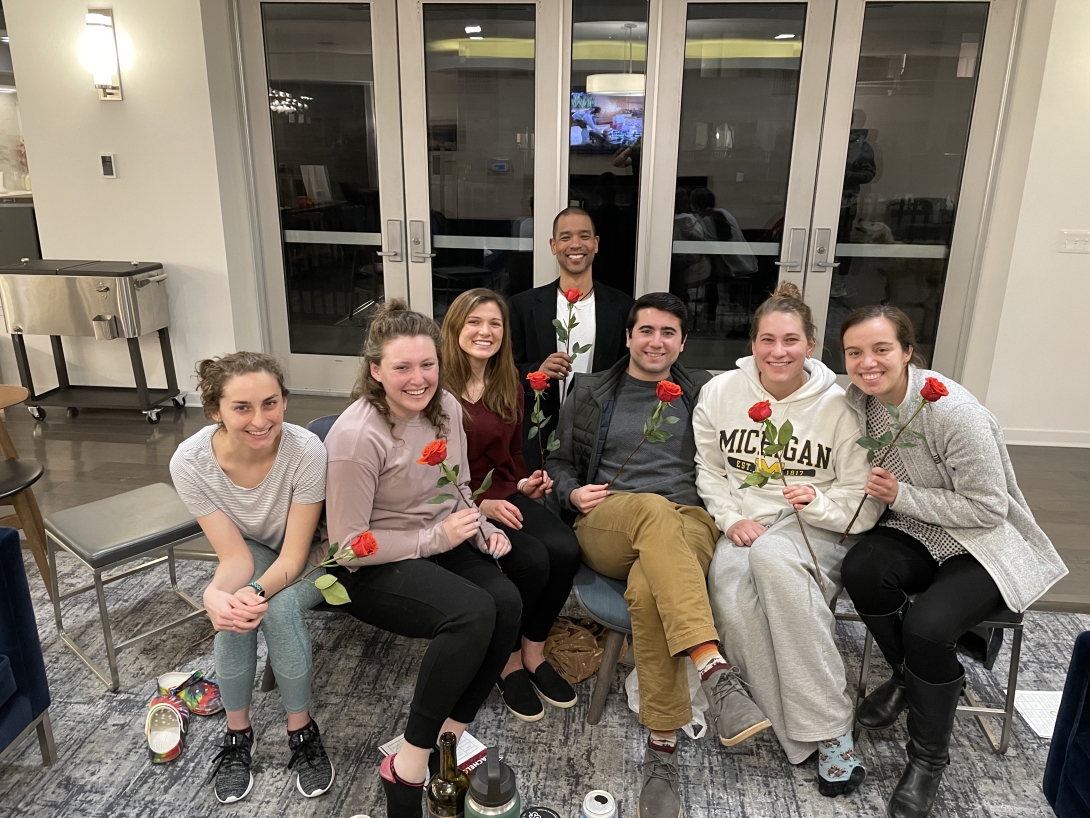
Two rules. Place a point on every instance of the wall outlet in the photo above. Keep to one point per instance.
(1075, 241)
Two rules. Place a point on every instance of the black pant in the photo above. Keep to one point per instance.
(469, 609)
(542, 563)
(952, 598)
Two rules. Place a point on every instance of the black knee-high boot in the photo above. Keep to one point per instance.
(931, 712)
(881, 708)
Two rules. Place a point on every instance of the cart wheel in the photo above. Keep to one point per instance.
(179, 402)
(37, 412)
(73, 412)
(153, 417)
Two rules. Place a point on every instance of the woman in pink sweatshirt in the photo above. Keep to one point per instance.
(434, 572)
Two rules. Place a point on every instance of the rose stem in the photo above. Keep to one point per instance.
(798, 519)
(878, 465)
(655, 429)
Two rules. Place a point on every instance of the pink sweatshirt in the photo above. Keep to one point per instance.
(374, 483)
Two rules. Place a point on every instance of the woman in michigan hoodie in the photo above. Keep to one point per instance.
(773, 618)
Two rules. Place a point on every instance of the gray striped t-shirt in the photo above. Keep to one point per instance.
(261, 513)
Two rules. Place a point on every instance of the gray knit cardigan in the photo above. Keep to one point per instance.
(963, 481)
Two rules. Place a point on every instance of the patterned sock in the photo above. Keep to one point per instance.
(708, 659)
(836, 758)
(663, 741)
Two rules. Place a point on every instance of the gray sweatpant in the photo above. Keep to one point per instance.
(777, 628)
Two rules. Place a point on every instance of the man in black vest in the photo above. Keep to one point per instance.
(640, 519)
(601, 313)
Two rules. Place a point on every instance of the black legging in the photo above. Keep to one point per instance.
(542, 563)
(952, 598)
(470, 610)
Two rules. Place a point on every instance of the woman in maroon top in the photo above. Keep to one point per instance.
(479, 369)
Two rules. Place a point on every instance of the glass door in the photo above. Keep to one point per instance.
(735, 160)
(480, 144)
(323, 106)
(912, 121)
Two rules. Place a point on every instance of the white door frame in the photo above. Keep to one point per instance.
(548, 48)
(322, 374)
(966, 250)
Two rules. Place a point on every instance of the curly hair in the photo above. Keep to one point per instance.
(393, 320)
(213, 375)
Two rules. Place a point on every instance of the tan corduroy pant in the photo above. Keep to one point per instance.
(663, 549)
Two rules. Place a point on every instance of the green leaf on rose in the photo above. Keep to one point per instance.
(894, 411)
(671, 419)
(658, 436)
(486, 484)
(440, 498)
(773, 449)
(870, 443)
(561, 333)
(784, 437)
(553, 443)
(332, 551)
(757, 479)
(532, 433)
(324, 581)
(444, 480)
(336, 594)
(871, 455)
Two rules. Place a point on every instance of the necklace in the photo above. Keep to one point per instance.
(473, 390)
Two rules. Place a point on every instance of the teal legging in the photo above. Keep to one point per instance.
(286, 638)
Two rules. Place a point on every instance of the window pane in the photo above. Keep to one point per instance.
(914, 92)
(609, 54)
(738, 101)
(479, 87)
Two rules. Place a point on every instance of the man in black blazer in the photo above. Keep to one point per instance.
(533, 337)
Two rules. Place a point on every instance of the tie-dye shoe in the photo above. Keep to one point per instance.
(200, 695)
(165, 728)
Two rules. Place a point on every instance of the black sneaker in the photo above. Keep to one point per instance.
(310, 760)
(519, 696)
(552, 687)
(232, 767)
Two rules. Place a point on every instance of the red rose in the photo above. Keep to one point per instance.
(933, 389)
(434, 453)
(760, 411)
(364, 545)
(668, 391)
(573, 295)
(539, 381)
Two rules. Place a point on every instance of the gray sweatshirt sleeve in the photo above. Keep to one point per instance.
(971, 457)
(560, 464)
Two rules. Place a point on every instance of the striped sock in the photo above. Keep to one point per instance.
(663, 741)
(708, 659)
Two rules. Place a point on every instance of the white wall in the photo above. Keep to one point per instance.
(165, 206)
(1038, 387)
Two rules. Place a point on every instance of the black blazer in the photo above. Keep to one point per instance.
(533, 339)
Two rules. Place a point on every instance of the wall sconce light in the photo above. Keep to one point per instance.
(98, 53)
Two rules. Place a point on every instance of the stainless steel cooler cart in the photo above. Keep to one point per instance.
(90, 299)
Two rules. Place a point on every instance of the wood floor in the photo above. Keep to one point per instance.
(102, 453)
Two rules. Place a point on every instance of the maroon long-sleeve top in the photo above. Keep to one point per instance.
(493, 444)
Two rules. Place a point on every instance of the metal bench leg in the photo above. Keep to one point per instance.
(45, 740)
(174, 581)
(604, 678)
(104, 614)
(864, 677)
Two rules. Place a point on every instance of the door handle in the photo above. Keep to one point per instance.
(395, 240)
(795, 251)
(823, 239)
(417, 242)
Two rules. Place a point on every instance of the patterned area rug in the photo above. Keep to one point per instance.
(363, 684)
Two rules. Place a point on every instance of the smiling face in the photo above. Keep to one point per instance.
(654, 344)
(409, 374)
(876, 361)
(574, 244)
(482, 332)
(780, 351)
(252, 410)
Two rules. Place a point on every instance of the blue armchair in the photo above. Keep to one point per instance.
(24, 690)
(1066, 783)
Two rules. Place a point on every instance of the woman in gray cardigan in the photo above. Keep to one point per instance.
(957, 534)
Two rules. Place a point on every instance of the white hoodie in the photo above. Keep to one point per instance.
(822, 452)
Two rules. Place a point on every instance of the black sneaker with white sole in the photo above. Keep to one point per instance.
(520, 697)
(308, 757)
(552, 687)
(231, 767)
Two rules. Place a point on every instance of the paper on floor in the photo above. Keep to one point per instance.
(470, 751)
(1038, 708)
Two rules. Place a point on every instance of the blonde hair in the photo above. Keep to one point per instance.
(213, 375)
(502, 393)
(394, 320)
(785, 298)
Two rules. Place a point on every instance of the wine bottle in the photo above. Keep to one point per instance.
(447, 789)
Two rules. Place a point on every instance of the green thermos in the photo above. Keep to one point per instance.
(492, 791)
